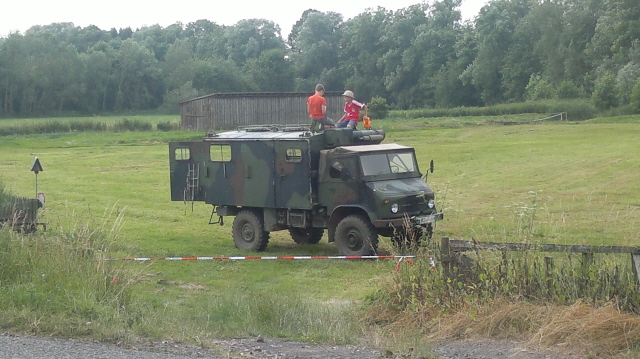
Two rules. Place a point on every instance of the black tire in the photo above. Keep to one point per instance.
(306, 235)
(249, 233)
(355, 236)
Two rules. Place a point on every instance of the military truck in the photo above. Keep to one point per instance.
(285, 177)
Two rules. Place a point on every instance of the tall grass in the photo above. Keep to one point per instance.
(62, 126)
(59, 282)
(503, 294)
(52, 283)
(5, 196)
(537, 277)
(268, 314)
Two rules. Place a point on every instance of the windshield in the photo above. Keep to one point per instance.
(385, 163)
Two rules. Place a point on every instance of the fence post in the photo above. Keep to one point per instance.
(445, 255)
(587, 261)
(548, 266)
(635, 260)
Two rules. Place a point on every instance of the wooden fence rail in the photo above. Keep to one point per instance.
(447, 246)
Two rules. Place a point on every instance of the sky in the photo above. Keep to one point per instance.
(18, 16)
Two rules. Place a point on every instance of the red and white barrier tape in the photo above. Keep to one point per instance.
(238, 258)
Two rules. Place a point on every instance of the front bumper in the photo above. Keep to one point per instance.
(416, 220)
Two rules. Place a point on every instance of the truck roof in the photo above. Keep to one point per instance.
(329, 138)
(244, 135)
(262, 133)
(374, 148)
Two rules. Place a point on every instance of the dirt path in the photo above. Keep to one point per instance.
(46, 348)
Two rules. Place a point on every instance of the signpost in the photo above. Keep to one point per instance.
(36, 167)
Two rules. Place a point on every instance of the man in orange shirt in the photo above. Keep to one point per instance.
(317, 106)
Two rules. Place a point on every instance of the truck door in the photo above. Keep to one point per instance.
(293, 174)
(185, 162)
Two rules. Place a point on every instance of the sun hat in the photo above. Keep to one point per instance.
(348, 94)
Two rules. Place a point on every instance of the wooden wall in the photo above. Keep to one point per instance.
(228, 111)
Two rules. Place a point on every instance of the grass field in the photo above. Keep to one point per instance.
(568, 183)
(155, 119)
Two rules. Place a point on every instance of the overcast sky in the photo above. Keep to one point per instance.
(18, 15)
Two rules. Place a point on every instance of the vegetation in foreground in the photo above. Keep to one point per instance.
(558, 183)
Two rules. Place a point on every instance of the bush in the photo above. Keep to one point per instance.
(88, 126)
(378, 108)
(132, 125)
(635, 98)
(539, 88)
(625, 81)
(167, 126)
(568, 90)
(604, 94)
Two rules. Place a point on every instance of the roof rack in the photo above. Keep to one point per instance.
(275, 128)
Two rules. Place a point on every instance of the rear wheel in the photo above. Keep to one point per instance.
(306, 235)
(249, 233)
(355, 236)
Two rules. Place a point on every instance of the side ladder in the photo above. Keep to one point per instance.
(193, 181)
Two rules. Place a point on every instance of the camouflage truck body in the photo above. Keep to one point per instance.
(287, 178)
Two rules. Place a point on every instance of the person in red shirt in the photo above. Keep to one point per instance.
(317, 106)
(351, 111)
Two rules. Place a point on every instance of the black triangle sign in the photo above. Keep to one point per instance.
(36, 166)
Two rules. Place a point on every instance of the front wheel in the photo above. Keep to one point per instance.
(249, 233)
(306, 235)
(355, 236)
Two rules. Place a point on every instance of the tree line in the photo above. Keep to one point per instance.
(422, 56)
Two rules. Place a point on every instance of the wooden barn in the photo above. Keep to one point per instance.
(226, 111)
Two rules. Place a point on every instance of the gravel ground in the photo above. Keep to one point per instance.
(14, 347)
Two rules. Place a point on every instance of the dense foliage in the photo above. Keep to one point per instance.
(416, 57)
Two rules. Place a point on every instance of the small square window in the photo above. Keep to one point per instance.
(220, 153)
(293, 155)
(182, 154)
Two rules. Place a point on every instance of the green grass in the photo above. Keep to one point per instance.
(575, 109)
(581, 179)
(155, 119)
(22, 127)
(554, 182)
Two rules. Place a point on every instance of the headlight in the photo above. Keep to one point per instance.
(431, 204)
(394, 208)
